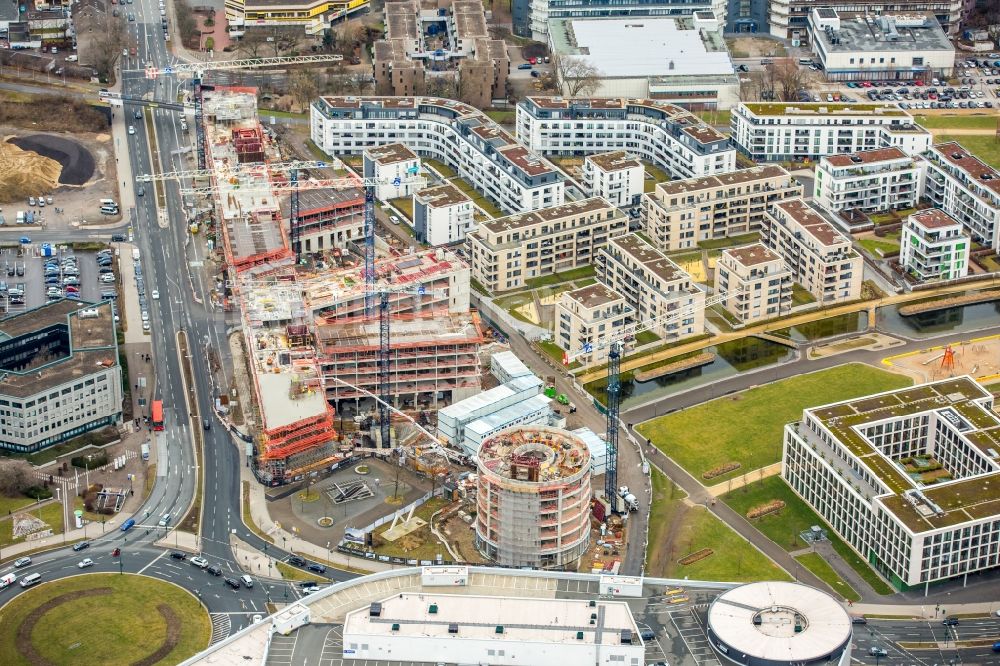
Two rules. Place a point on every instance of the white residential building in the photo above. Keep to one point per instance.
(616, 176)
(908, 478)
(756, 280)
(660, 133)
(966, 188)
(395, 166)
(653, 286)
(934, 246)
(59, 374)
(456, 134)
(589, 315)
(442, 214)
(820, 257)
(890, 47)
(783, 131)
(868, 181)
(531, 17)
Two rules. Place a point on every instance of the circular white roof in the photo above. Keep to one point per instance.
(825, 625)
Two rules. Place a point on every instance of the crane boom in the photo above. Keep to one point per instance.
(237, 170)
(246, 63)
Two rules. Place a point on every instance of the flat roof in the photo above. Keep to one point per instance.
(934, 218)
(618, 160)
(277, 403)
(91, 345)
(825, 627)
(811, 221)
(959, 401)
(390, 153)
(752, 255)
(527, 161)
(824, 109)
(738, 177)
(555, 454)
(640, 46)
(509, 414)
(858, 33)
(981, 172)
(464, 409)
(524, 619)
(441, 195)
(569, 209)
(313, 201)
(594, 295)
(866, 157)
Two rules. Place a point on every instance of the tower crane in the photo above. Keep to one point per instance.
(615, 344)
(294, 186)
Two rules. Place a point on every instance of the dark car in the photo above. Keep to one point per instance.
(318, 568)
(178, 555)
(116, 552)
(647, 634)
(214, 570)
(297, 561)
(80, 546)
(308, 585)
(950, 622)
(117, 238)
(233, 583)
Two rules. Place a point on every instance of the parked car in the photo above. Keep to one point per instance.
(524, 65)
(297, 561)
(318, 568)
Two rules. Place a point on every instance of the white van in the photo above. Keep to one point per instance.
(31, 579)
(108, 202)
(7, 580)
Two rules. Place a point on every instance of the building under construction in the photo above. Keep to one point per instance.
(533, 497)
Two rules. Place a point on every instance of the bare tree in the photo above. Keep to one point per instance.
(15, 477)
(283, 42)
(303, 88)
(786, 79)
(577, 77)
(106, 57)
(252, 42)
(359, 83)
(752, 86)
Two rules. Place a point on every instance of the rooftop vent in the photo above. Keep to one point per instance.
(375, 610)
(986, 176)
(626, 637)
(453, 628)
(856, 159)
(433, 609)
(579, 635)
(499, 629)
(395, 626)
(957, 156)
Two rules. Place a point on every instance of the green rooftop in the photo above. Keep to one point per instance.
(823, 109)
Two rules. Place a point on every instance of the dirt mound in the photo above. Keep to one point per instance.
(77, 162)
(24, 173)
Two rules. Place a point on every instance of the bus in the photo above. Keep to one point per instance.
(157, 415)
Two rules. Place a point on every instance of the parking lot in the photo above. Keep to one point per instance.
(63, 273)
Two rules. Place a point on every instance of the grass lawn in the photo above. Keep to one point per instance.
(442, 168)
(717, 118)
(317, 152)
(746, 427)
(404, 205)
(656, 175)
(783, 528)
(801, 295)
(985, 147)
(566, 276)
(122, 625)
(288, 572)
(873, 245)
(732, 241)
(552, 350)
(420, 544)
(51, 514)
(987, 123)
(825, 573)
(9, 504)
(95, 437)
(488, 206)
(248, 518)
(646, 337)
(734, 559)
(502, 117)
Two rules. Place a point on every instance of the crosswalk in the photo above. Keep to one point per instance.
(221, 626)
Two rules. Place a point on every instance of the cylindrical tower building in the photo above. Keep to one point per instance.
(533, 498)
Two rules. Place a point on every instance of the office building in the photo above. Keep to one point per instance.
(771, 132)
(505, 366)
(662, 134)
(589, 315)
(908, 478)
(682, 60)
(533, 498)
(456, 134)
(757, 283)
(679, 214)
(453, 418)
(442, 214)
(511, 250)
(311, 16)
(617, 177)
(820, 257)
(934, 246)
(449, 45)
(789, 19)
(868, 181)
(531, 17)
(888, 47)
(653, 286)
(59, 374)
(966, 188)
(395, 167)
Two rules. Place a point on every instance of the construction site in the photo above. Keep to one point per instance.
(534, 497)
(325, 335)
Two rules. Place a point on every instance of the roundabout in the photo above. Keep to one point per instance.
(103, 618)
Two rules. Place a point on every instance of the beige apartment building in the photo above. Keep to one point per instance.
(757, 282)
(589, 314)
(653, 286)
(820, 257)
(508, 251)
(679, 214)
